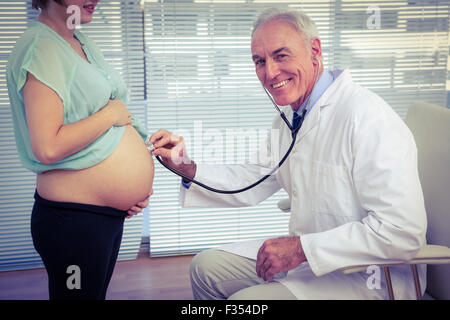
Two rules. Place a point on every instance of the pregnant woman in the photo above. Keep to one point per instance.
(73, 129)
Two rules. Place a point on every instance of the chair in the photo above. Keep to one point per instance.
(430, 125)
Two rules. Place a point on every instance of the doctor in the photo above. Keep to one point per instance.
(352, 180)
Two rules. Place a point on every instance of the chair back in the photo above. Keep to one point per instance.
(430, 125)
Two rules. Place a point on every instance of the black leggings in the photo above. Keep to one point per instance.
(78, 244)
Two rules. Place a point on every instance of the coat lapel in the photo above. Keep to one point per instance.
(311, 120)
(314, 116)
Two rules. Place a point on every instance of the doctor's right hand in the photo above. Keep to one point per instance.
(172, 149)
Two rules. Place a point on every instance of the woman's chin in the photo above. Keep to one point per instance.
(87, 19)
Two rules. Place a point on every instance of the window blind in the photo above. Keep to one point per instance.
(201, 82)
(16, 183)
(398, 49)
(117, 30)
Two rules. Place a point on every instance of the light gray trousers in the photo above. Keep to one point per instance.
(217, 274)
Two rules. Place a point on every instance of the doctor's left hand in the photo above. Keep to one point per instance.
(279, 255)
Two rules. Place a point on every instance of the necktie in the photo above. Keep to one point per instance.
(297, 121)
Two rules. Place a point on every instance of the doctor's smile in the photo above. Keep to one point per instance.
(281, 84)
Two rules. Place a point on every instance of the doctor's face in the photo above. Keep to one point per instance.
(283, 63)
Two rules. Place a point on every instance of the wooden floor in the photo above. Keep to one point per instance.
(142, 279)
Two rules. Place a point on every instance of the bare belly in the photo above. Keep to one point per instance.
(120, 181)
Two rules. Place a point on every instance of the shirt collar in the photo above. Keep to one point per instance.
(325, 80)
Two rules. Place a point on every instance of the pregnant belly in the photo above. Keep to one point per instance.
(120, 181)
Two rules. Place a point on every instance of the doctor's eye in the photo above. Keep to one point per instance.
(281, 57)
(259, 62)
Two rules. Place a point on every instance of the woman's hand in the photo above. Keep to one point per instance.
(134, 210)
(51, 138)
(121, 116)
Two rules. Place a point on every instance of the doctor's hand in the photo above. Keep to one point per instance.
(172, 149)
(279, 255)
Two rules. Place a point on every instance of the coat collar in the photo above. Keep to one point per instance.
(313, 117)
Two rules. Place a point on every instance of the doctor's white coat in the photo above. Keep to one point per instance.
(355, 194)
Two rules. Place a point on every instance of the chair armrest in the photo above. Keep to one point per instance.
(285, 205)
(428, 254)
(432, 254)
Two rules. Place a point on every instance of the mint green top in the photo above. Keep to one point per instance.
(84, 88)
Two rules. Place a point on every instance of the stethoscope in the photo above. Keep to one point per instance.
(293, 130)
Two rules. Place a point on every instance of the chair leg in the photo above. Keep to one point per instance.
(389, 283)
(416, 282)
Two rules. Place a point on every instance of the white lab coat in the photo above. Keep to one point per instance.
(355, 194)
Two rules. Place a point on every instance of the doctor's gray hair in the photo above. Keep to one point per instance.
(300, 20)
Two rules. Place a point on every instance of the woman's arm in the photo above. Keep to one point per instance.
(51, 139)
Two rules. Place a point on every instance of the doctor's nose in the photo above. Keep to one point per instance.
(272, 69)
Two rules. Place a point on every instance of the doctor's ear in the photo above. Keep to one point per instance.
(316, 50)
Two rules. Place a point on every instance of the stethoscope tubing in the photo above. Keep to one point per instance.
(294, 137)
